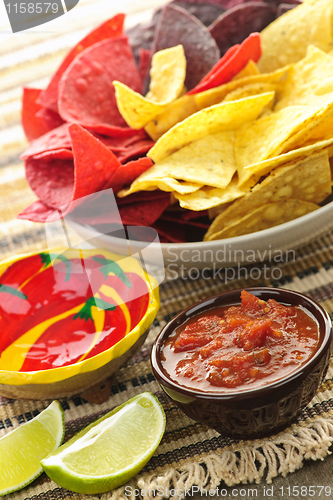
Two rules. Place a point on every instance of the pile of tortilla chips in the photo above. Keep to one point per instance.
(193, 136)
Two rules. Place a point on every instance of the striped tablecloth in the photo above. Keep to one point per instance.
(190, 454)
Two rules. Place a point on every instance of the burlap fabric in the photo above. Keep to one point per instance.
(190, 453)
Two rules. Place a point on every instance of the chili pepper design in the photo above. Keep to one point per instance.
(70, 339)
(55, 315)
(49, 291)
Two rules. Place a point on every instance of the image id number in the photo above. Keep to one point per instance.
(306, 491)
(32, 8)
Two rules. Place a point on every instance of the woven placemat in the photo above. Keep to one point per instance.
(190, 454)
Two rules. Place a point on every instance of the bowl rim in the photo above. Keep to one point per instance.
(256, 235)
(58, 374)
(203, 305)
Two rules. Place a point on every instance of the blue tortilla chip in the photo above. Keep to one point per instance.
(177, 26)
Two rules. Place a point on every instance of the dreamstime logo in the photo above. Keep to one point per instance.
(25, 15)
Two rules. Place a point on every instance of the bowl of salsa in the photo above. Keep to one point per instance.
(244, 362)
(69, 319)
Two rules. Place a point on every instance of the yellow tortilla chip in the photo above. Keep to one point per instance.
(268, 136)
(168, 73)
(249, 90)
(174, 113)
(266, 166)
(264, 217)
(286, 39)
(167, 184)
(209, 161)
(308, 179)
(219, 118)
(250, 69)
(216, 95)
(309, 81)
(208, 197)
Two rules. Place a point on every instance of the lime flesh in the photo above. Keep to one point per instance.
(111, 450)
(22, 449)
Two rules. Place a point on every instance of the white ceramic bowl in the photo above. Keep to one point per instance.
(261, 246)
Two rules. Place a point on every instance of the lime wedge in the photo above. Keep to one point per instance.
(110, 451)
(22, 449)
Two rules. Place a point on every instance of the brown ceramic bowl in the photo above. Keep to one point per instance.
(260, 411)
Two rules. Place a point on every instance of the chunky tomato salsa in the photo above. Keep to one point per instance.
(241, 346)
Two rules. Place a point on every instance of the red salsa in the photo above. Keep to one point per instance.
(241, 346)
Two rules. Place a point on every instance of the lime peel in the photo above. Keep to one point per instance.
(22, 449)
(110, 451)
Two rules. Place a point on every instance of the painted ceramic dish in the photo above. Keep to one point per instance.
(70, 319)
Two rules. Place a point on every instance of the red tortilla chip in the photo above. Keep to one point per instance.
(217, 68)
(173, 233)
(110, 29)
(143, 213)
(51, 180)
(32, 125)
(111, 130)
(86, 91)
(135, 150)
(56, 154)
(57, 138)
(51, 119)
(124, 141)
(95, 165)
(250, 49)
(238, 22)
(127, 173)
(135, 197)
(39, 212)
(200, 48)
(144, 63)
(57, 182)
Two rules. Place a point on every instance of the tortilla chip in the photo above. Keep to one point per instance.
(50, 118)
(208, 197)
(168, 184)
(205, 12)
(268, 136)
(167, 81)
(250, 69)
(308, 179)
(86, 92)
(309, 81)
(57, 138)
(174, 113)
(264, 217)
(109, 29)
(219, 118)
(32, 125)
(167, 75)
(239, 21)
(216, 95)
(177, 26)
(233, 61)
(285, 40)
(250, 90)
(266, 166)
(209, 160)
